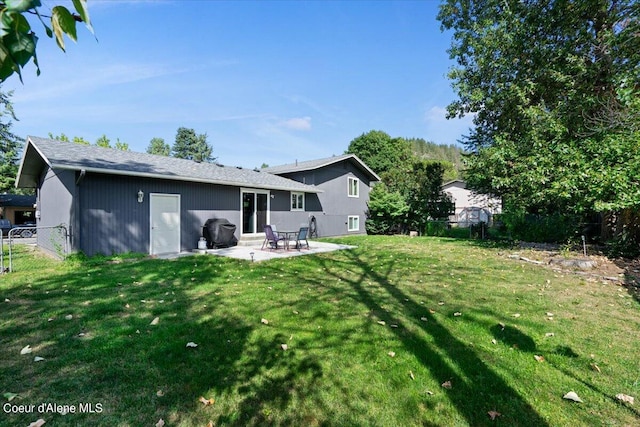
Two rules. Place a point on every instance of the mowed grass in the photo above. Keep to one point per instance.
(423, 331)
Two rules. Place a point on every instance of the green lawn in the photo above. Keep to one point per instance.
(371, 336)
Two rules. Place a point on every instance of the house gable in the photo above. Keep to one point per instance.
(333, 209)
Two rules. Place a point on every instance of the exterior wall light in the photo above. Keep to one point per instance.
(140, 196)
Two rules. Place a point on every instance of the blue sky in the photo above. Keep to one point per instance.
(268, 81)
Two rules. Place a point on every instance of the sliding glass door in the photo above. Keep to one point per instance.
(255, 211)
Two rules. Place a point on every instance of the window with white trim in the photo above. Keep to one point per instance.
(353, 223)
(297, 201)
(354, 184)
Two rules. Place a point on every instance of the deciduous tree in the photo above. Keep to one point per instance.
(551, 85)
(420, 184)
(380, 151)
(18, 40)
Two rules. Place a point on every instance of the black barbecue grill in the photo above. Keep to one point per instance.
(220, 233)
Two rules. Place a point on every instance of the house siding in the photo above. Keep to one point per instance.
(465, 198)
(112, 221)
(282, 216)
(55, 203)
(332, 207)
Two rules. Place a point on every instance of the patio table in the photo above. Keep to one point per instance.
(287, 236)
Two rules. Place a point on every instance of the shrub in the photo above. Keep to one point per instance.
(553, 228)
(623, 245)
(387, 211)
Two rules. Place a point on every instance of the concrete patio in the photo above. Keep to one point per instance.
(253, 251)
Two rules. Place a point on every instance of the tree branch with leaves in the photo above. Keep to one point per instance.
(18, 40)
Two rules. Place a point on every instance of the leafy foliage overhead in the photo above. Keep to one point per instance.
(18, 40)
(554, 89)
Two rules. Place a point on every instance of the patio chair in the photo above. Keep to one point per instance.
(271, 239)
(301, 238)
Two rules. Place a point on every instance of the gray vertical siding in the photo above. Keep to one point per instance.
(282, 216)
(112, 220)
(104, 216)
(332, 207)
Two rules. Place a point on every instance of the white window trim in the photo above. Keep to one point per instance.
(299, 209)
(350, 185)
(357, 222)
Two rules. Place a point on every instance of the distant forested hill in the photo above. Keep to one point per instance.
(451, 154)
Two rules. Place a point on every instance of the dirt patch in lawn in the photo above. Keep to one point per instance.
(622, 271)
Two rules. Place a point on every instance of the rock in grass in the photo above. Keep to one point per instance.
(573, 396)
(625, 398)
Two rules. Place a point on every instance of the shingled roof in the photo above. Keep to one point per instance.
(41, 152)
(317, 164)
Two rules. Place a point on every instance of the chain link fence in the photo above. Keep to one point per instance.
(52, 240)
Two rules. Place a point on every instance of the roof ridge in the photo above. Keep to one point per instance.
(69, 155)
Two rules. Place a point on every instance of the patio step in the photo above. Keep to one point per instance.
(250, 241)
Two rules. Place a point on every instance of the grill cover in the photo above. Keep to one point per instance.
(219, 233)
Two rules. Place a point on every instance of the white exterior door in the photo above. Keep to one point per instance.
(165, 223)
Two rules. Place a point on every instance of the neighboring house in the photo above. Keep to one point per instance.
(470, 207)
(341, 207)
(115, 201)
(19, 209)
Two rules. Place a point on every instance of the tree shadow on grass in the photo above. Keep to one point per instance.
(93, 327)
(513, 337)
(476, 388)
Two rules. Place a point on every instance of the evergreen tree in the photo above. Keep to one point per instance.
(159, 147)
(189, 145)
(10, 145)
(451, 156)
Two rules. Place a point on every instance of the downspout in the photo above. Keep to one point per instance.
(83, 172)
(74, 227)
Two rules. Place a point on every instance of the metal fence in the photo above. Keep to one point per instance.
(53, 240)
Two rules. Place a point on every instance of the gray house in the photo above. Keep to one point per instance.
(114, 201)
(341, 207)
